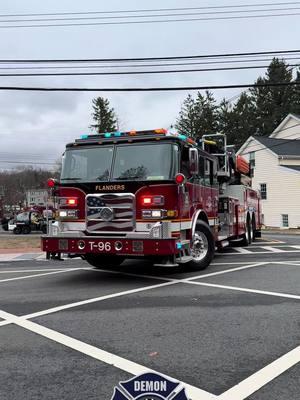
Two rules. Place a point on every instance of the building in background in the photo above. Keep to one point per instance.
(275, 162)
(36, 197)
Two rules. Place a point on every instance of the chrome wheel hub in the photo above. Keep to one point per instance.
(199, 247)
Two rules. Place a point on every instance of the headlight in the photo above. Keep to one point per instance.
(68, 213)
(153, 214)
(156, 231)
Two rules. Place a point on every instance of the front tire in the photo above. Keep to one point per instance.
(247, 237)
(103, 261)
(202, 247)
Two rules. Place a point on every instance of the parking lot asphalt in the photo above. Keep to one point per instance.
(231, 332)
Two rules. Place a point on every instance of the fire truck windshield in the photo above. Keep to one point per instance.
(141, 161)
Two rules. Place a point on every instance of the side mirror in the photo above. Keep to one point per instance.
(193, 161)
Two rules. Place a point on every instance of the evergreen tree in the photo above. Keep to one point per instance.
(186, 121)
(244, 118)
(198, 116)
(237, 121)
(226, 118)
(295, 108)
(272, 104)
(105, 117)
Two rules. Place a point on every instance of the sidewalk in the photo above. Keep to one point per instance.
(270, 231)
(21, 254)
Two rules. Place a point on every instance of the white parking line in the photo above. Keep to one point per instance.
(37, 275)
(98, 354)
(240, 289)
(290, 263)
(242, 250)
(169, 281)
(254, 382)
(13, 271)
(226, 271)
(154, 277)
(230, 263)
(271, 242)
(273, 249)
(96, 299)
(259, 252)
(296, 247)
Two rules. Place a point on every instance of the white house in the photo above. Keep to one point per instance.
(275, 161)
(36, 197)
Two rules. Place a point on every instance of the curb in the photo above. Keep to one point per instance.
(22, 256)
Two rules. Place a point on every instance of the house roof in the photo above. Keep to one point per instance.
(281, 147)
(284, 122)
(294, 167)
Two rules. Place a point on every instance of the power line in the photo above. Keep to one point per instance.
(139, 72)
(151, 21)
(144, 65)
(168, 64)
(151, 10)
(149, 15)
(142, 59)
(147, 89)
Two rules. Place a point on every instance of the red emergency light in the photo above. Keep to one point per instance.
(51, 182)
(155, 200)
(180, 179)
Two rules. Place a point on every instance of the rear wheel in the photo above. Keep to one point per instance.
(202, 247)
(17, 230)
(26, 230)
(101, 261)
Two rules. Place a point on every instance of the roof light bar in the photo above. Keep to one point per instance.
(160, 131)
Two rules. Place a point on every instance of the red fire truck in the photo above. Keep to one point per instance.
(151, 194)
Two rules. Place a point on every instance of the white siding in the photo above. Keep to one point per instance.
(288, 130)
(286, 161)
(283, 187)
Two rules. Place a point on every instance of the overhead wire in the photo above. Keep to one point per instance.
(155, 9)
(146, 89)
(169, 64)
(173, 71)
(275, 53)
(240, 17)
(149, 15)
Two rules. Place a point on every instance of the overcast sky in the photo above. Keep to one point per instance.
(37, 125)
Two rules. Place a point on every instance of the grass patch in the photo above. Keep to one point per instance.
(18, 243)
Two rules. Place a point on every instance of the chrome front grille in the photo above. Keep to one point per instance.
(110, 212)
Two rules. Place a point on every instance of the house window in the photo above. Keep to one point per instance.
(285, 220)
(252, 159)
(263, 191)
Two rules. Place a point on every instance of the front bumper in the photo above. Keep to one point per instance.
(110, 246)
